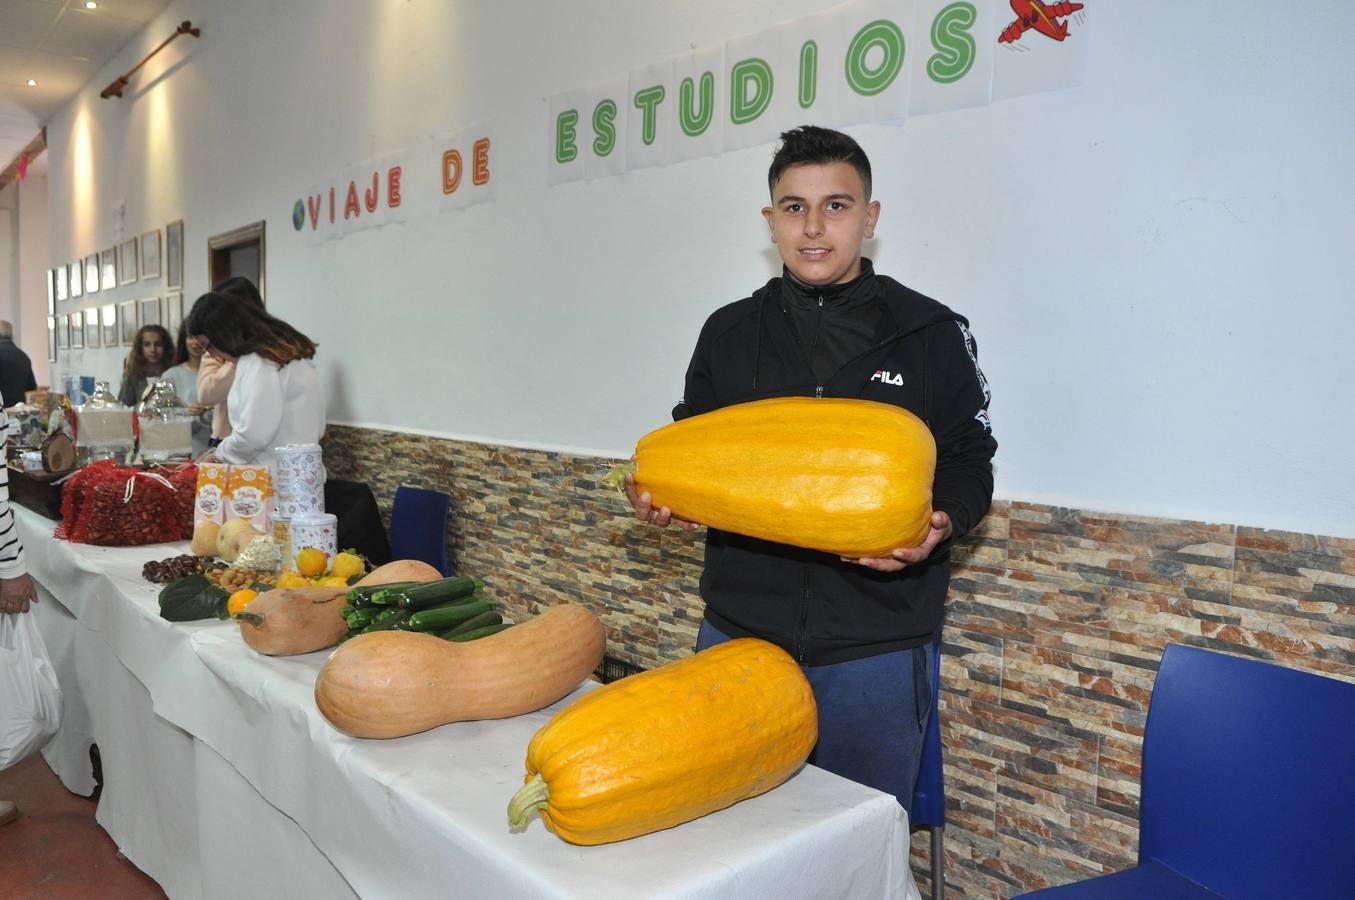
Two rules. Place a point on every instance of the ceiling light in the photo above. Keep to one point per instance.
(90, 4)
(31, 83)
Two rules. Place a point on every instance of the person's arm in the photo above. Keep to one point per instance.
(257, 414)
(214, 380)
(16, 588)
(32, 383)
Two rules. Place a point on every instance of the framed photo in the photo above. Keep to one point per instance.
(108, 265)
(108, 315)
(127, 322)
(174, 256)
(76, 284)
(92, 332)
(92, 273)
(51, 338)
(150, 254)
(173, 314)
(51, 292)
(127, 261)
(63, 340)
(149, 312)
(60, 272)
(77, 324)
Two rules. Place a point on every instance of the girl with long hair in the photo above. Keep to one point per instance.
(275, 398)
(151, 354)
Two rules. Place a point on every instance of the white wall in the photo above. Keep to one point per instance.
(23, 266)
(1156, 264)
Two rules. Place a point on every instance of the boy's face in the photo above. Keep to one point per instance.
(819, 216)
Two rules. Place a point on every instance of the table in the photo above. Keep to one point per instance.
(222, 779)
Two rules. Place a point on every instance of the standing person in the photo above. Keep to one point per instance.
(214, 376)
(275, 398)
(829, 326)
(151, 354)
(184, 377)
(16, 369)
(16, 587)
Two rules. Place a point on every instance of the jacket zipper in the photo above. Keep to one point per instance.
(801, 631)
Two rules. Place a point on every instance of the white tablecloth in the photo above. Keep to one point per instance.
(222, 779)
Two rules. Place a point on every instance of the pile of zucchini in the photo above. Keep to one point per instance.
(454, 608)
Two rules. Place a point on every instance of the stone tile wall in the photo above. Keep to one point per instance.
(1055, 625)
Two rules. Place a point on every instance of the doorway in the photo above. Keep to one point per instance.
(238, 252)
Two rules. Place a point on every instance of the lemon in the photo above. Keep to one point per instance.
(240, 599)
(347, 564)
(331, 581)
(311, 561)
(291, 580)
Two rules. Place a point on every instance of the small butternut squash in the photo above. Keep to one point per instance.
(290, 621)
(850, 477)
(670, 745)
(400, 570)
(392, 683)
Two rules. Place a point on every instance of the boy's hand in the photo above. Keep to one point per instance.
(16, 594)
(662, 516)
(906, 556)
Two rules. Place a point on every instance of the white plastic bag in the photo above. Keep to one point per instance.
(30, 696)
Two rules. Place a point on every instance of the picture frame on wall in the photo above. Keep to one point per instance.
(173, 310)
(127, 322)
(150, 254)
(174, 256)
(127, 262)
(108, 268)
(51, 338)
(108, 316)
(77, 329)
(76, 283)
(51, 292)
(60, 274)
(149, 312)
(93, 331)
(63, 340)
(92, 273)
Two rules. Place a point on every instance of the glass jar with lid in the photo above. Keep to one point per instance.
(165, 425)
(103, 426)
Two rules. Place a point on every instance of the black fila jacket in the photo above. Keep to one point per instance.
(820, 609)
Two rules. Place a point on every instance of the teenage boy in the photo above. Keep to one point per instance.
(831, 327)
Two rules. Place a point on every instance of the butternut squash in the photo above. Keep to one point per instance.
(290, 621)
(392, 683)
(670, 745)
(850, 477)
(400, 570)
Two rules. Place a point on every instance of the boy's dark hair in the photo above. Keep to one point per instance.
(812, 144)
(237, 327)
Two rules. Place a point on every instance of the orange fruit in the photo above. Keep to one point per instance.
(291, 580)
(240, 599)
(311, 561)
(347, 564)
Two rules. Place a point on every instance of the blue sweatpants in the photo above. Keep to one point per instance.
(872, 715)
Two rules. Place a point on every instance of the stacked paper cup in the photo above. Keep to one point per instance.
(299, 485)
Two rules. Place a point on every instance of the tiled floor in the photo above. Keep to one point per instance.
(56, 850)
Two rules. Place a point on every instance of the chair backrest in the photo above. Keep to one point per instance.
(1249, 776)
(419, 526)
(929, 796)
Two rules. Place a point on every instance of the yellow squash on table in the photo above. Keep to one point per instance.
(670, 745)
(851, 477)
(392, 683)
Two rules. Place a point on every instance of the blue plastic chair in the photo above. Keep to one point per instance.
(929, 795)
(419, 526)
(1248, 785)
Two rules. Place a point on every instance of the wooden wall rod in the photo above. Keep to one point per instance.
(115, 89)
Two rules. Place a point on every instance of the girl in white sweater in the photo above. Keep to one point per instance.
(275, 398)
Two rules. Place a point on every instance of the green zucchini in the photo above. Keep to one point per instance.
(436, 593)
(485, 618)
(362, 596)
(484, 631)
(386, 620)
(449, 615)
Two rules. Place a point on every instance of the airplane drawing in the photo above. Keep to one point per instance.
(1042, 17)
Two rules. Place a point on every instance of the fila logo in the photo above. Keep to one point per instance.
(887, 377)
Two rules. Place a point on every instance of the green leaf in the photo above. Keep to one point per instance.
(192, 598)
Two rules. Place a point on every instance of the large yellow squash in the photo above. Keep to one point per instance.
(851, 477)
(670, 745)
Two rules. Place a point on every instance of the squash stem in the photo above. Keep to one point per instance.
(252, 618)
(534, 795)
(617, 476)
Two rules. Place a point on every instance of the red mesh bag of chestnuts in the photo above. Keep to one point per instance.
(113, 506)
